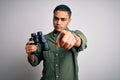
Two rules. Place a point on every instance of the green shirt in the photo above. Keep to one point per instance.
(58, 63)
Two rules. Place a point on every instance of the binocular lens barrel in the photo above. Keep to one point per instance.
(40, 38)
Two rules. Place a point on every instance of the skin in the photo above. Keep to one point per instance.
(61, 20)
(66, 39)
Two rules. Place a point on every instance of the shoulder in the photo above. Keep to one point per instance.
(49, 34)
(76, 31)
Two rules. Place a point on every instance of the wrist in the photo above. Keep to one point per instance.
(77, 43)
(31, 57)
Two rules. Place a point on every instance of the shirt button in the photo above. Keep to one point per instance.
(55, 35)
(57, 76)
(56, 65)
(56, 54)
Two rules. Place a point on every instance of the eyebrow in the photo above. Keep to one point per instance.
(55, 17)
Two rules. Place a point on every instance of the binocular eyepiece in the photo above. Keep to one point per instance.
(39, 38)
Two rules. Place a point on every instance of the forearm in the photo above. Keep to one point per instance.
(34, 60)
(35, 57)
(31, 58)
(83, 40)
(78, 40)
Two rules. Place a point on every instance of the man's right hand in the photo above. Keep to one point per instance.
(30, 49)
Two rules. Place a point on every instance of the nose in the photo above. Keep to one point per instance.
(59, 22)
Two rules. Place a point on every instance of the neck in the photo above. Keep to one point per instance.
(57, 32)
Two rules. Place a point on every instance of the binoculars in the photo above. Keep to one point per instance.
(39, 38)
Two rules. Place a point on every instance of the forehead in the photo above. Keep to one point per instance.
(61, 14)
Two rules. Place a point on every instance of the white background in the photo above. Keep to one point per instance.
(99, 20)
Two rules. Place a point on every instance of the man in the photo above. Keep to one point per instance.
(60, 61)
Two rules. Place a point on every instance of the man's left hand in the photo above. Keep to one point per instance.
(66, 40)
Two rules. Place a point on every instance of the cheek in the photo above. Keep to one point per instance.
(53, 22)
(65, 24)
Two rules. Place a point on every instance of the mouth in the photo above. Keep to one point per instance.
(58, 28)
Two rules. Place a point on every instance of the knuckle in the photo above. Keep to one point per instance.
(62, 41)
(67, 43)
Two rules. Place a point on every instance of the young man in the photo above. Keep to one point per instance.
(60, 61)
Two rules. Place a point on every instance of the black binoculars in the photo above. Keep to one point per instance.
(39, 38)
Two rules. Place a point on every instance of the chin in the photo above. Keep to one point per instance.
(58, 30)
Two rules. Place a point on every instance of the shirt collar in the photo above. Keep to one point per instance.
(55, 34)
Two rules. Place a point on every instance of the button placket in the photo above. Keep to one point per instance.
(56, 66)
